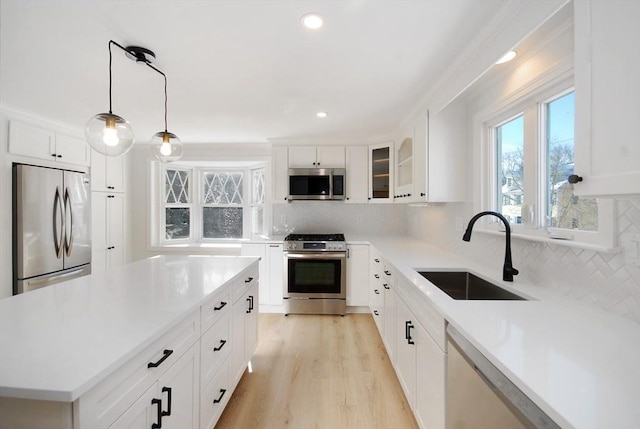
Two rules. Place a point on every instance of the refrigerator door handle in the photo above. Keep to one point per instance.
(68, 209)
(58, 216)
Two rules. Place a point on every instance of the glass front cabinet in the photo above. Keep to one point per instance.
(381, 172)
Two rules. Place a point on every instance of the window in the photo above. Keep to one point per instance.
(530, 146)
(225, 206)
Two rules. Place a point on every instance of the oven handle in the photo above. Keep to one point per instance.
(316, 255)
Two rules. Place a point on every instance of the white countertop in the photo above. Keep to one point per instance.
(578, 364)
(45, 353)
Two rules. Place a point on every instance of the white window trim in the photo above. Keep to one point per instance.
(527, 102)
(246, 206)
(161, 227)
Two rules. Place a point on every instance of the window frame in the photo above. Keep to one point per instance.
(164, 205)
(246, 226)
(531, 103)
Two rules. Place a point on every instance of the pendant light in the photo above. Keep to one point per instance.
(108, 133)
(165, 146)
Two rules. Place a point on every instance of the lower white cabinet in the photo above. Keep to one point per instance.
(405, 330)
(271, 271)
(430, 381)
(245, 327)
(357, 274)
(171, 402)
(107, 230)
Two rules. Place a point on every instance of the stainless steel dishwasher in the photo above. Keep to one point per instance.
(479, 396)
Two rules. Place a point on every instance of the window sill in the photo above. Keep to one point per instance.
(555, 241)
(233, 248)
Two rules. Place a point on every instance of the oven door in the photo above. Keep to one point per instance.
(315, 275)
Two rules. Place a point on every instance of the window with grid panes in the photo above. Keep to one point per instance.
(177, 204)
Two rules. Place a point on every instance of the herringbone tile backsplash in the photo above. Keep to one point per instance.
(609, 281)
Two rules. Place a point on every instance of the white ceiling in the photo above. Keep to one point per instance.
(238, 71)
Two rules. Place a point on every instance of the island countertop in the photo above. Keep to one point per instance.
(58, 342)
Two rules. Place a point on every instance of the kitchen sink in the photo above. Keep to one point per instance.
(467, 286)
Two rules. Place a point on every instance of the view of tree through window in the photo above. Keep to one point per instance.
(564, 209)
(222, 211)
(177, 210)
(510, 153)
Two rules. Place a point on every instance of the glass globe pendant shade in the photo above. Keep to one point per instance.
(165, 147)
(109, 134)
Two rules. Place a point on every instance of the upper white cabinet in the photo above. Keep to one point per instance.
(280, 173)
(607, 94)
(36, 142)
(316, 157)
(108, 231)
(107, 172)
(357, 167)
(381, 172)
(431, 165)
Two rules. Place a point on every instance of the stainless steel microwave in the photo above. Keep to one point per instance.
(316, 183)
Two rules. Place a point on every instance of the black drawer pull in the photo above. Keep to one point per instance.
(249, 280)
(376, 276)
(157, 402)
(407, 331)
(168, 412)
(166, 354)
(222, 392)
(222, 304)
(250, 301)
(377, 291)
(222, 343)
(377, 260)
(386, 286)
(387, 272)
(375, 312)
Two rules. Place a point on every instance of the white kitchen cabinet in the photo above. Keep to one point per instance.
(107, 172)
(37, 142)
(357, 274)
(316, 157)
(108, 230)
(607, 97)
(215, 396)
(244, 325)
(404, 168)
(376, 290)
(357, 167)
(142, 414)
(388, 289)
(381, 166)
(405, 330)
(440, 156)
(280, 173)
(271, 272)
(430, 380)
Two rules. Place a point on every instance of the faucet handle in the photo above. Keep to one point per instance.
(508, 273)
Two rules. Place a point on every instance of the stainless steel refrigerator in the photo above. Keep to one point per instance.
(51, 226)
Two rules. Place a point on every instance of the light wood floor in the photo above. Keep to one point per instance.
(324, 372)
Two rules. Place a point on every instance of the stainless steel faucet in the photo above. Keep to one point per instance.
(507, 270)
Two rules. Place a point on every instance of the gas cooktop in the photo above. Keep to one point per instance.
(315, 243)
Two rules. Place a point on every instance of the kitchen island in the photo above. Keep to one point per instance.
(89, 348)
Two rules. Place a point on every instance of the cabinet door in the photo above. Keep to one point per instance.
(381, 173)
(357, 168)
(178, 391)
(430, 381)
(142, 414)
(107, 231)
(237, 363)
(280, 173)
(259, 250)
(116, 230)
(251, 323)
(607, 94)
(330, 156)
(389, 318)
(29, 140)
(72, 150)
(302, 157)
(406, 351)
(404, 169)
(357, 274)
(275, 258)
(107, 172)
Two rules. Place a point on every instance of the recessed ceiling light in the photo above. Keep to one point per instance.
(507, 57)
(312, 21)
(322, 114)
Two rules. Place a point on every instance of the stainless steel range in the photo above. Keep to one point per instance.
(315, 274)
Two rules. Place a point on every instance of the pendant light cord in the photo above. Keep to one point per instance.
(165, 94)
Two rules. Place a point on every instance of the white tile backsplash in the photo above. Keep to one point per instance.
(338, 217)
(609, 281)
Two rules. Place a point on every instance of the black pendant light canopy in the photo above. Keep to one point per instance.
(112, 135)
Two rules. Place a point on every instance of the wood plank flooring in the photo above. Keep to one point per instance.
(318, 372)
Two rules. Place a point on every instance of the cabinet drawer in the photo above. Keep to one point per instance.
(216, 307)
(214, 348)
(214, 397)
(244, 282)
(103, 404)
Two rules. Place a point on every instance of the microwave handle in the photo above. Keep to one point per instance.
(331, 183)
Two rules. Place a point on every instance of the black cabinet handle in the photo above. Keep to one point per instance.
(422, 194)
(220, 307)
(376, 276)
(111, 196)
(111, 187)
(59, 156)
(387, 272)
(222, 392)
(250, 300)
(377, 291)
(166, 354)
(168, 412)
(375, 312)
(53, 155)
(157, 402)
(574, 178)
(386, 286)
(407, 331)
(377, 260)
(222, 343)
(248, 280)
